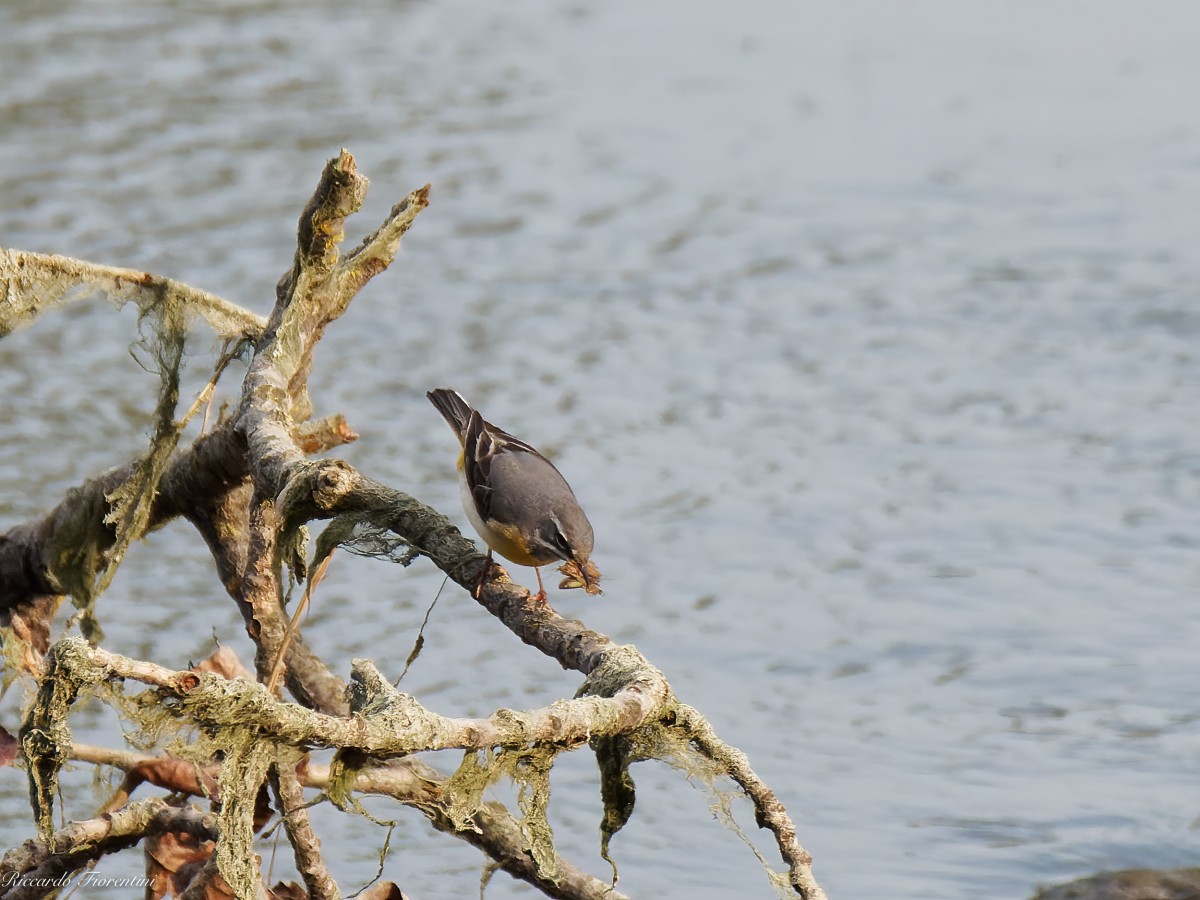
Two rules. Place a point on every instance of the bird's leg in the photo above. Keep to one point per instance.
(541, 594)
(483, 575)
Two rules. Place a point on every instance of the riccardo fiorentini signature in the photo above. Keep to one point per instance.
(87, 879)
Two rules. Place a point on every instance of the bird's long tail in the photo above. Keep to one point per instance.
(454, 409)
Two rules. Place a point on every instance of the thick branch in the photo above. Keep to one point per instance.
(223, 520)
(317, 291)
(274, 397)
(31, 282)
(328, 488)
(196, 480)
(388, 724)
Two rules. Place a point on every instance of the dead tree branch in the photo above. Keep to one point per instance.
(306, 846)
(250, 510)
(411, 782)
(384, 722)
(30, 283)
(768, 811)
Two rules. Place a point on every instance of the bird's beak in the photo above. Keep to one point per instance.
(591, 577)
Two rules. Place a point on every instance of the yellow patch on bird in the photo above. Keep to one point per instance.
(506, 540)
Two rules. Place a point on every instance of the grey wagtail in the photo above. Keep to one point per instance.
(517, 501)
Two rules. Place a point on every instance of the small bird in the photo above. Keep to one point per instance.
(515, 498)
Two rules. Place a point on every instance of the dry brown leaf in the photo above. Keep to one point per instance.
(288, 891)
(384, 890)
(216, 887)
(30, 623)
(223, 662)
(168, 772)
(588, 578)
(172, 861)
(263, 810)
(9, 747)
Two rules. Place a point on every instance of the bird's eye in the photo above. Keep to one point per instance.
(560, 541)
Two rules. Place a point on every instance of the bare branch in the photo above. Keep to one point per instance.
(339, 195)
(314, 293)
(768, 811)
(305, 844)
(32, 282)
(379, 249)
(393, 779)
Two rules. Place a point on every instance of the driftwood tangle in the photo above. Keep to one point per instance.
(251, 490)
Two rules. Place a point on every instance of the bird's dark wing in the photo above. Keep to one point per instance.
(478, 451)
(482, 443)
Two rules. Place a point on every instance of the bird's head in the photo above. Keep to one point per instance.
(569, 537)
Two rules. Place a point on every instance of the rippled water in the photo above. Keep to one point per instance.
(865, 332)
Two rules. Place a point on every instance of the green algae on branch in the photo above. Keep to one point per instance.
(385, 723)
(250, 726)
(34, 283)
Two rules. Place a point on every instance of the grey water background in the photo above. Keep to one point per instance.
(865, 332)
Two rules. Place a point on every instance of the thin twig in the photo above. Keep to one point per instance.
(313, 580)
(419, 643)
(769, 812)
